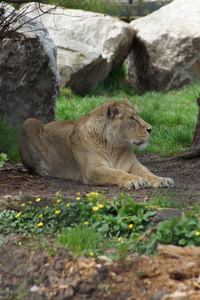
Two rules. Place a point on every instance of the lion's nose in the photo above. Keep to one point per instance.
(149, 130)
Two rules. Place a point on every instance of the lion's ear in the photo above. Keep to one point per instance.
(115, 110)
(126, 101)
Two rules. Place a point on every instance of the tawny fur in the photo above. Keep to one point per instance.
(95, 149)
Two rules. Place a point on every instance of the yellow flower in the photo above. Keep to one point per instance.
(16, 216)
(122, 242)
(30, 202)
(119, 239)
(57, 212)
(38, 200)
(32, 230)
(78, 198)
(19, 243)
(58, 235)
(40, 216)
(88, 195)
(78, 194)
(130, 225)
(23, 204)
(86, 223)
(58, 201)
(40, 224)
(197, 233)
(100, 205)
(94, 194)
(68, 205)
(47, 206)
(95, 208)
(91, 253)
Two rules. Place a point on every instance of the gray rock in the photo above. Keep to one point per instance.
(89, 45)
(166, 49)
(29, 78)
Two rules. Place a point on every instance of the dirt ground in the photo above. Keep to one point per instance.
(28, 273)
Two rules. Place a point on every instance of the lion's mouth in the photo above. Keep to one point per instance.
(140, 145)
(137, 144)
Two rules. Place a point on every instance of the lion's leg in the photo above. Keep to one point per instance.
(32, 147)
(151, 179)
(103, 175)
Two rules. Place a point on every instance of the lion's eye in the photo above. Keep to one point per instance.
(132, 118)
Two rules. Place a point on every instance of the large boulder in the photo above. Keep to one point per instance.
(29, 78)
(166, 49)
(89, 45)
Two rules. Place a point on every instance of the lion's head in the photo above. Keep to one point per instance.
(126, 127)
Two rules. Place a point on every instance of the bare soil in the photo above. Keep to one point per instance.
(29, 273)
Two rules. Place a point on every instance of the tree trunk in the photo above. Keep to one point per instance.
(196, 138)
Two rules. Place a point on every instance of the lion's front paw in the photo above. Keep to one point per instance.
(135, 182)
(163, 182)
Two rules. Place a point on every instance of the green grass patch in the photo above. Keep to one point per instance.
(9, 137)
(167, 199)
(173, 115)
(82, 240)
(97, 6)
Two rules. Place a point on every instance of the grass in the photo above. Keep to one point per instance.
(81, 240)
(165, 199)
(173, 115)
(173, 119)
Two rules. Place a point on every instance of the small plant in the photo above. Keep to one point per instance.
(184, 232)
(176, 231)
(3, 159)
(123, 249)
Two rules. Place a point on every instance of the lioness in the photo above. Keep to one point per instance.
(95, 149)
